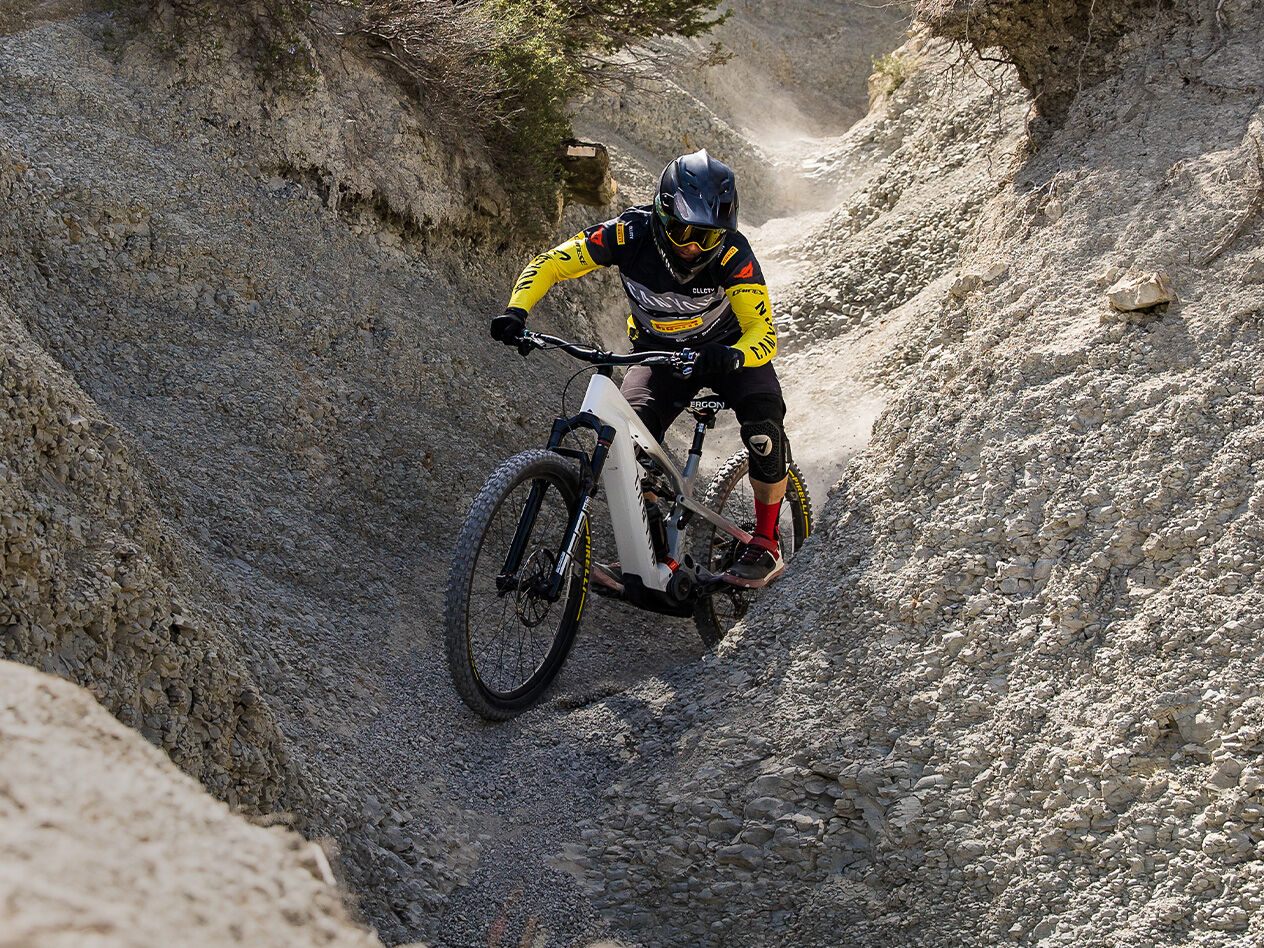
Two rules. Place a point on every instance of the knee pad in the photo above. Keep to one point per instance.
(766, 445)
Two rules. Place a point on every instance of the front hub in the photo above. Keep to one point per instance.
(533, 603)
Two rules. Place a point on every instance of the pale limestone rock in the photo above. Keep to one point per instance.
(1108, 276)
(102, 834)
(1137, 293)
(964, 285)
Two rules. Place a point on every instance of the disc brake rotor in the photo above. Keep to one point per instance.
(531, 605)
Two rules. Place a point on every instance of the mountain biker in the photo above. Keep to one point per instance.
(693, 283)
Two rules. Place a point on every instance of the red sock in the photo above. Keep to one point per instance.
(766, 519)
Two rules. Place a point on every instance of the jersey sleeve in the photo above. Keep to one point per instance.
(609, 243)
(564, 262)
(599, 242)
(743, 283)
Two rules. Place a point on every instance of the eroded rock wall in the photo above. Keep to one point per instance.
(1063, 47)
(306, 401)
(1008, 694)
(90, 588)
(318, 102)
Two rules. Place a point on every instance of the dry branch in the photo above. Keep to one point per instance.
(1252, 211)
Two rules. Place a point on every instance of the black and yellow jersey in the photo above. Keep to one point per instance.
(726, 302)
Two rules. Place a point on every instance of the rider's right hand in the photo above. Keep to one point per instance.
(716, 359)
(508, 327)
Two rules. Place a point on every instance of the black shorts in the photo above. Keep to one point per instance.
(658, 394)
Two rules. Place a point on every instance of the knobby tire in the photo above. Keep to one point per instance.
(714, 549)
(474, 604)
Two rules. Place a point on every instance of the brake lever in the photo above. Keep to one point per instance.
(527, 342)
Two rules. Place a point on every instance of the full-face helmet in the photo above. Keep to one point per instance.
(695, 207)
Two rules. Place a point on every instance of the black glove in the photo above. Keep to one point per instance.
(717, 359)
(508, 326)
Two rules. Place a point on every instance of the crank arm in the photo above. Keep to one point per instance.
(711, 583)
(604, 577)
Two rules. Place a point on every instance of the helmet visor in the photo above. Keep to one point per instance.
(682, 235)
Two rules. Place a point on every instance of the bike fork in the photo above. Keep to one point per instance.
(567, 556)
(513, 560)
(568, 549)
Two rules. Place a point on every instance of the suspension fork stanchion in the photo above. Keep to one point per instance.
(514, 558)
(605, 435)
(695, 451)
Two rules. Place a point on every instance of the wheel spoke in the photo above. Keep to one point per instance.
(500, 667)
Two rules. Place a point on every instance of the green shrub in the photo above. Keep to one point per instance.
(894, 68)
(511, 68)
(537, 78)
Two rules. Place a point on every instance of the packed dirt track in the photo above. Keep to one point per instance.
(1008, 693)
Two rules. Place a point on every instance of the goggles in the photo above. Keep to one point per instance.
(682, 234)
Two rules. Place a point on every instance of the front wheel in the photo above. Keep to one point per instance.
(730, 494)
(505, 637)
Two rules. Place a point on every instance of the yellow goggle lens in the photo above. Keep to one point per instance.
(682, 235)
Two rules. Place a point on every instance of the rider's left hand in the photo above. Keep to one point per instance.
(717, 359)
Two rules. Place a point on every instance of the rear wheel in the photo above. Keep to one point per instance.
(505, 639)
(730, 494)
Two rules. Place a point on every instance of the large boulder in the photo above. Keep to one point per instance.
(104, 842)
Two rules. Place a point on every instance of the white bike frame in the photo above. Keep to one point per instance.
(622, 475)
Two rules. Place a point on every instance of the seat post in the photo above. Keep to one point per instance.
(695, 450)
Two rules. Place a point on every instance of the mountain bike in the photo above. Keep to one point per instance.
(523, 563)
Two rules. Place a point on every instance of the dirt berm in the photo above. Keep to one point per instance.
(104, 842)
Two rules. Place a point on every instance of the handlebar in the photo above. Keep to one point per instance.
(681, 361)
